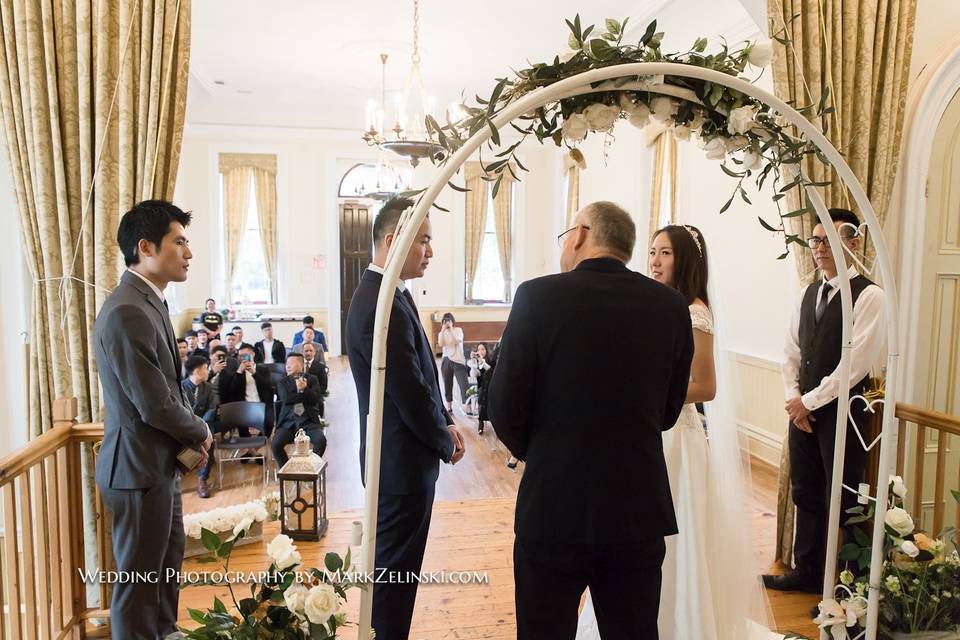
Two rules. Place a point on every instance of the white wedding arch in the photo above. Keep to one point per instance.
(628, 77)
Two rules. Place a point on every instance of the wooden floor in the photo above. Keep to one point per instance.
(472, 529)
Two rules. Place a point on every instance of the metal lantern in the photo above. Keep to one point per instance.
(303, 492)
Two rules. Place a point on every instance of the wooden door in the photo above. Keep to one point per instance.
(356, 249)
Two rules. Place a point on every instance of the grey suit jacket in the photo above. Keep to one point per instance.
(299, 349)
(147, 418)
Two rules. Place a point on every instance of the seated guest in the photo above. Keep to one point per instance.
(204, 401)
(268, 350)
(218, 364)
(211, 320)
(213, 343)
(318, 335)
(308, 338)
(244, 381)
(184, 354)
(238, 331)
(191, 338)
(299, 395)
(315, 367)
(233, 344)
(202, 344)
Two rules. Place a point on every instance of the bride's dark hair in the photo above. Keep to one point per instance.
(689, 261)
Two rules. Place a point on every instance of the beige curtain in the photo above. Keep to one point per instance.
(475, 221)
(503, 217)
(237, 184)
(860, 49)
(92, 97)
(265, 187)
(664, 171)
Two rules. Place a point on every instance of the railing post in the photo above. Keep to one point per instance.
(65, 414)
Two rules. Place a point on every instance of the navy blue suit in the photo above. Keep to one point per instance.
(414, 441)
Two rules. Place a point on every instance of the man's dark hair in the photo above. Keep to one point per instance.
(307, 320)
(181, 341)
(190, 334)
(194, 362)
(148, 220)
(295, 355)
(230, 335)
(388, 217)
(209, 300)
(219, 349)
(844, 215)
(235, 328)
(266, 325)
(246, 347)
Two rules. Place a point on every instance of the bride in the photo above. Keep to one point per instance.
(709, 590)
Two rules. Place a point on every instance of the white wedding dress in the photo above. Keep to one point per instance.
(700, 599)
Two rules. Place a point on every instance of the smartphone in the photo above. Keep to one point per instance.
(246, 357)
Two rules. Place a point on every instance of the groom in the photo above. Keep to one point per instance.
(417, 431)
(585, 406)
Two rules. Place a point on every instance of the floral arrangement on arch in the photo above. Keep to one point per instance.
(748, 137)
(291, 604)
(920, 582)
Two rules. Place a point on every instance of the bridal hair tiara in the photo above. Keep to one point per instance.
(696, 240)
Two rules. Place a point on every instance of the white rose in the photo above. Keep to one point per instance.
(640, 116)
(575, 127)
(909, 548)
(752, 159)
(899, 520)
(740, 119)
(321, 603)
(243, 526)
(295, 597)
(600, 117)
(899, 488)
(663, 108)
(283, 552)
(832, 616)
(715, 148)
(682, 132)
(761, 53)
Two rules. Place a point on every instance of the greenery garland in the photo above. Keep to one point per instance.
(749, 137)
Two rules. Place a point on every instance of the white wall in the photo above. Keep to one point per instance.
(15, 303)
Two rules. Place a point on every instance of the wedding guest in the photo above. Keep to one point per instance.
(232, 343)
(184, 353)
(450, 341)
(309, 338)
(268, 350)
(202, 344)
(238, 331)
(319, 338)
(482, 372)
(191, 338)
(315, 367)
(811, 376)
(205, 403)
(148, 423)
(245, 381)
(211, 320)
(299, 395)
(417, 431)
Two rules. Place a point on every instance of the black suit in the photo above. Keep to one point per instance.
(414, 440)
(298, 410)
(233, 388)
(319, 369)
(593, 366)
(278, 351)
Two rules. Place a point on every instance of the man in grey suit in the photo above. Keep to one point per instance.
(148, 421)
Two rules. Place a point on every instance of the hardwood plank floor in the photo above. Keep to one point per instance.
(472, 528)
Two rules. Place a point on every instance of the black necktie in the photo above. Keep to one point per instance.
(165, 305)
(822, 305)
(409, 298)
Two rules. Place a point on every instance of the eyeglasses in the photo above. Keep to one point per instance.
(815, 241)
(576, 226)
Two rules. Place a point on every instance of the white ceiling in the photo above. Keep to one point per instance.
(314, 63)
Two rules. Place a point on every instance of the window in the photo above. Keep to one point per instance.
(251, 281)
(378, 181)
(488, 286)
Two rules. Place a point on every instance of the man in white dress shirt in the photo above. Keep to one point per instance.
(811, 375)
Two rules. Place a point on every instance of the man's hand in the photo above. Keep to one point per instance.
(208, 442)
(804, 423)
(219, 364)
(204, 456)
(796, 409)
(459, 447)
(301, 384)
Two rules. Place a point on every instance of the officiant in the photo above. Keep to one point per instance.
(811, 376)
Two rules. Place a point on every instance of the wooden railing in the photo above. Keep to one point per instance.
(946, 427)
(44, 596)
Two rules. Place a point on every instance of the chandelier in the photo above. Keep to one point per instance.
(409, 139)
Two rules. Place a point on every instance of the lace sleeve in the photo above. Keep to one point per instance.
(701, 318)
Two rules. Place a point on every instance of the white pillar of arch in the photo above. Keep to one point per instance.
(637, 76)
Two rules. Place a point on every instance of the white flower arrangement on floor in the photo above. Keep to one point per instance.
(225, 519)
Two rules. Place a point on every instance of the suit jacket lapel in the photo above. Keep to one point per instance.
(157, 304)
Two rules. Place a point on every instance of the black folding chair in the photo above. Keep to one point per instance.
(235, 415)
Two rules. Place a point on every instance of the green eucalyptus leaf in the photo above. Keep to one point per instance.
(765, 225)
(612, 26)
(648, 34)
(211, 541)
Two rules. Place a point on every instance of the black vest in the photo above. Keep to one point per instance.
(821, 342)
